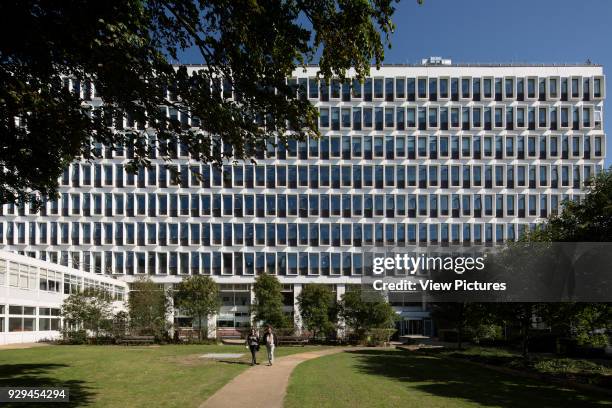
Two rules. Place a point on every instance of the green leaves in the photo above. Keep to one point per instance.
(362, 313)
(317, 308)
(148, 306)
(198, 296)
(90, 310)
(268, 302)
(589, 220)
(127, 49)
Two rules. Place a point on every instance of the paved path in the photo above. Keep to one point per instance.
(261, 385)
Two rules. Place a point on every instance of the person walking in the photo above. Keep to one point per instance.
(252, 343)
(270, 341)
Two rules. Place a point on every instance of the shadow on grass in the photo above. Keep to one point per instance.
(40, 375)
(234, 362)
(463, 381)
(578, 370)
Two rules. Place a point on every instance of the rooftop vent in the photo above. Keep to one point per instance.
(435, 61)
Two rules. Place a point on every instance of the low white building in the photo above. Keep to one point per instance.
(32, 292)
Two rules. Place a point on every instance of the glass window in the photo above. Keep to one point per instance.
(389, 89)
(465, 87)
(324, 117)
(400, 88)
(422, 86)
(443, 87)
(356, 88)
(378, 88)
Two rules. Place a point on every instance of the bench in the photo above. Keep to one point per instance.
(185, 335)
(128, 340)
(293, 340)
(231, 341)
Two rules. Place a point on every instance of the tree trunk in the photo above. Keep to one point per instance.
(460, 326)
(525, 330)
(525, 343)
(200, 328)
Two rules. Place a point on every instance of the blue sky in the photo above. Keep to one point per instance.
(535, 31)
(502, 31)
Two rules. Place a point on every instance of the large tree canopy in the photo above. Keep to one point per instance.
(267, 305)
(125, 49)
(588, 220)
(198, 296)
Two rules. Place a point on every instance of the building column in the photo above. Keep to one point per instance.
(297, 317)
(251, 304)
(172, 312)
(211, 326)
(340, 291)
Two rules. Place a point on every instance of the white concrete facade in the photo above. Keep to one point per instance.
(436, 153)
(32, 292)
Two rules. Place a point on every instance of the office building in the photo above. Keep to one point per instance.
(432, 153)
(32, 292)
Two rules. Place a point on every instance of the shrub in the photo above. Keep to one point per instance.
(378, 337)
(74, 336)
(148, 306)
(268, 303)
(198, 296)
(89, 311)
(363, 312)
(317, 309)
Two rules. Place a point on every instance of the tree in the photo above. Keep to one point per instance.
(316, 304)
(591, 323)
(588, 323)
(119, 324)
(462, 316)
(588, 220)
(362, 314)
(127, 49)
(198, 296)
(519, 315)
(268, 302)
(88, 310)
(148, 306)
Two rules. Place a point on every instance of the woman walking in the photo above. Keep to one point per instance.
(270, 342)
(252, 343)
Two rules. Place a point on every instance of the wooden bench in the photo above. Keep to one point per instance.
(293, 340)
(232, 341)
(128, 340)
(185, 335)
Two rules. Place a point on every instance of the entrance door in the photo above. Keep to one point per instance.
(415, 327)
(428, 327)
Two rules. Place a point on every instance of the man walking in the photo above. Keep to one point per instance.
(270, 341)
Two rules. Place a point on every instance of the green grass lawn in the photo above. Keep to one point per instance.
(119, 376)
(394, 378)
(591, 371)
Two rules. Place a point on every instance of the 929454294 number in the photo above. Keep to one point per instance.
(32, 394)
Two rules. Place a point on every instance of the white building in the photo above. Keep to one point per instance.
(32, 292)
(418, 154)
